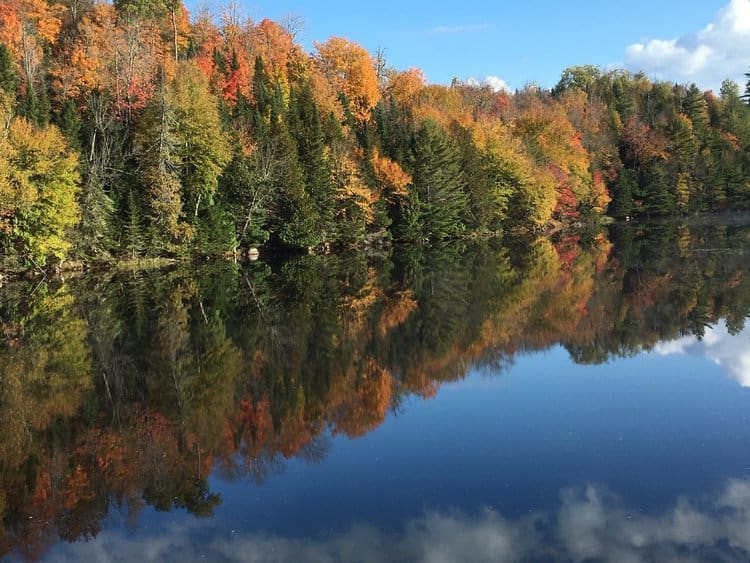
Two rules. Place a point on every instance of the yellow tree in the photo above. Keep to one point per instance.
(350, 68)
(38, 190)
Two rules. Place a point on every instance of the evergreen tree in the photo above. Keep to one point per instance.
(622, 194)
(304, 123)
(296, 218)
(245, 192)
(655, 193)
(8, 77)
(133, 240)
(68, 119)
(439, 183)
(483, 205)
(157, 150)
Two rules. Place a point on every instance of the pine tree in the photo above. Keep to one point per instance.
(157, 150)
(657, 197)
(439, 183)
(622, 194)
(296, 216)
(68, 119)
(245, 192)
(409, 221)
(8, 77)
(304, 123)
(133, 240)
(484, 208)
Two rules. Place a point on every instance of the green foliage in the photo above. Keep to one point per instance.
(39, 182)
(439, 184)
(622, 194)
(581, 77)
(8, 77)
(202, 146)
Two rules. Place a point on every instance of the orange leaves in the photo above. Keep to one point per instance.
(643, 144)
(46, 17)
(276, 47)
(600, 194)
(442, 105)
(405, 86)
(119, 59)
(25, 26)
(351, 71)
(391, 178)
(38, 17)
(10, 26)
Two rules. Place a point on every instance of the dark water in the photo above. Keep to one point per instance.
(576, 399)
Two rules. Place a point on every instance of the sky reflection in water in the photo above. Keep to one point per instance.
(575, 401)
(515, 454)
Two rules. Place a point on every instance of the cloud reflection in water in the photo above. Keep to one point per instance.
(730, 352)
(589, 523)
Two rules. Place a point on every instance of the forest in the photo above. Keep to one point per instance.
(134, 129)
(123, 391)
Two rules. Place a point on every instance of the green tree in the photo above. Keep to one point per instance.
(439, 183)
(201, 142)
(8, 77)
(39, 186)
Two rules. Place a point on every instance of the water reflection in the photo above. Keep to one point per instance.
(588, 524)
(729, 351)
(122, 392)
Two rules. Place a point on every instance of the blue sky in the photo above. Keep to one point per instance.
(533, 40)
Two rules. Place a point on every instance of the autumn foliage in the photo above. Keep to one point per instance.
(209, 135)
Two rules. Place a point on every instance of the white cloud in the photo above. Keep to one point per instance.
(731, 353)
(720, 50)
(460, 28)
(588, 523)
(495, 82)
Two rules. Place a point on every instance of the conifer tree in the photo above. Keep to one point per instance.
(305, 125)
(8, 77)
(439, 183)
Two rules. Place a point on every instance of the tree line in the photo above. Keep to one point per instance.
(132, 129)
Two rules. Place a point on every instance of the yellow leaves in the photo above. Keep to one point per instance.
(347, 179)
(405, 86)
(38, 188)
(442, 105)
(205, 148)
(391, 178)
(351, 71)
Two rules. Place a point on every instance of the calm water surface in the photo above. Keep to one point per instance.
(583, 398)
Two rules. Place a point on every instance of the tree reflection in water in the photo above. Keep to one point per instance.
(122, 391)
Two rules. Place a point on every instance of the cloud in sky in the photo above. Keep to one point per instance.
(720, 50)
(460, 28)
(495, 82)
(588, 523)
(731, 353)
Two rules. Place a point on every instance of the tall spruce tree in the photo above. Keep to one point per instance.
(305, 126)
(439, 183)
(8, 77)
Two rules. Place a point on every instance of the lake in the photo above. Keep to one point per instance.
(576, 398)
